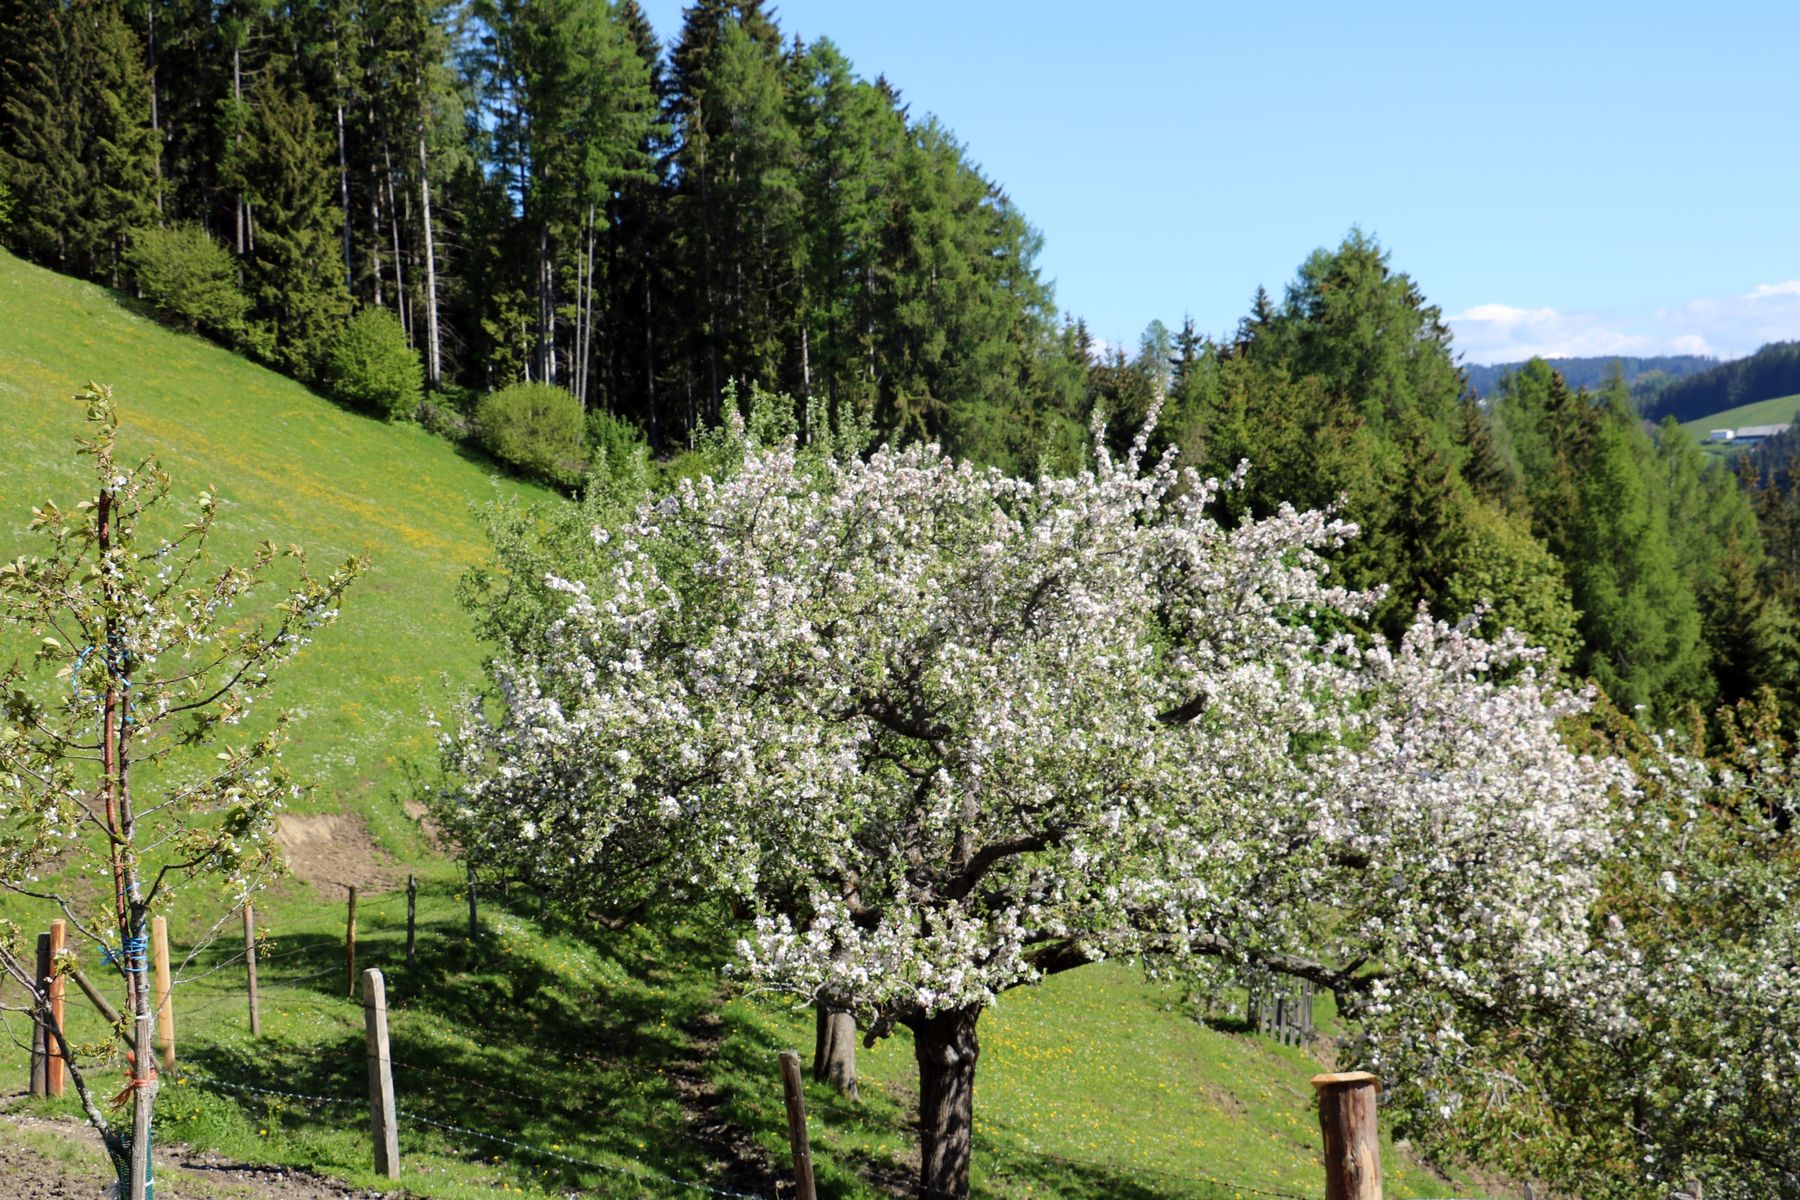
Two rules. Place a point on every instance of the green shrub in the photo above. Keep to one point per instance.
(370, 365)
(190, 278)
(445, 416)
(537, 428)
(612, 440)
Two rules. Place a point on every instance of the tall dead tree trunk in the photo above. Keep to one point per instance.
(237, 139)
(400, 304)
(433, 355)
(946, 1047)
(375, 219)
(546, 314)
(155, 108)
(344, 201)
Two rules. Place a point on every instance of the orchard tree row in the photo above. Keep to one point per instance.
(536, 192)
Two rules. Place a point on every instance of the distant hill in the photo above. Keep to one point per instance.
(1642, 375)
(1778, 410)
(1771, 372)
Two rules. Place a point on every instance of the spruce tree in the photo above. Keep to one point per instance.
(296, 280)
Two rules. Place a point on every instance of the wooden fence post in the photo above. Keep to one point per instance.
(350, 946)
(53, 1060)
(412, 899)
(250, 967)
(382, 1122)
(40, 1035)
(472, 925)
(796, 1114)
(1347, 1118)
(165, 1001)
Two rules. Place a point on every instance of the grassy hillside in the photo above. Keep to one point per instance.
(1777, 411)
(288, 466)
(608, 1062)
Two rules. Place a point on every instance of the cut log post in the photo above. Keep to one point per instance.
(1347, 1119)
(382, 1118)
(40, 1036)
(350, 946)
(412, 904)
(250, 968)
(53, 1060)
(796, 1115)
(165, 1000)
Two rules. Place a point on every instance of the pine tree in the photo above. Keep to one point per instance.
(737, 199)
(40, 130)
(75, 144)
(1590, 470)
(296, 283)
(120, 155)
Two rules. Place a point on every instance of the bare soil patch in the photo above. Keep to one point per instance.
(62, 1160)
(333, 851)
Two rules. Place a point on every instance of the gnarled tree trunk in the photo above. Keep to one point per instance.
(946, 1047)
(834, 1050)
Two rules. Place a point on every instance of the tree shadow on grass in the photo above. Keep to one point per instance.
(490, 1039)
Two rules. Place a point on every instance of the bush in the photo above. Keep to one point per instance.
(444, 416)
(612, 440)
(537, 428)
(190, 278)
(369, 364)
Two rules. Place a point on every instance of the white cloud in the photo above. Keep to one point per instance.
(1506, 316)
(1728, 327)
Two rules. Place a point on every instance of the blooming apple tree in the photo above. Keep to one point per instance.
(120, 780)
(942, 732)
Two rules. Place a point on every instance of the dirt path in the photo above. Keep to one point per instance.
(62, 1160)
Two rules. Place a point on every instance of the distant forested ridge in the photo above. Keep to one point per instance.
(1592, 372)
(1772, 371)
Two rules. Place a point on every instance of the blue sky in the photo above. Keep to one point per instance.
(1573, 178)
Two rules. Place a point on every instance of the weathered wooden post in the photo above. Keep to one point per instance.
(40, 1035)
(1347, 1118)
(250, 967)
(350, 946)
(382, 1122)
(165, 1001)
(53, 1060)
(796, 1115)
(472, 925)
(412, 900)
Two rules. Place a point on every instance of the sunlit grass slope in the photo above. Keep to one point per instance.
(621, 1050)
(289, 466)
(1777, 411)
